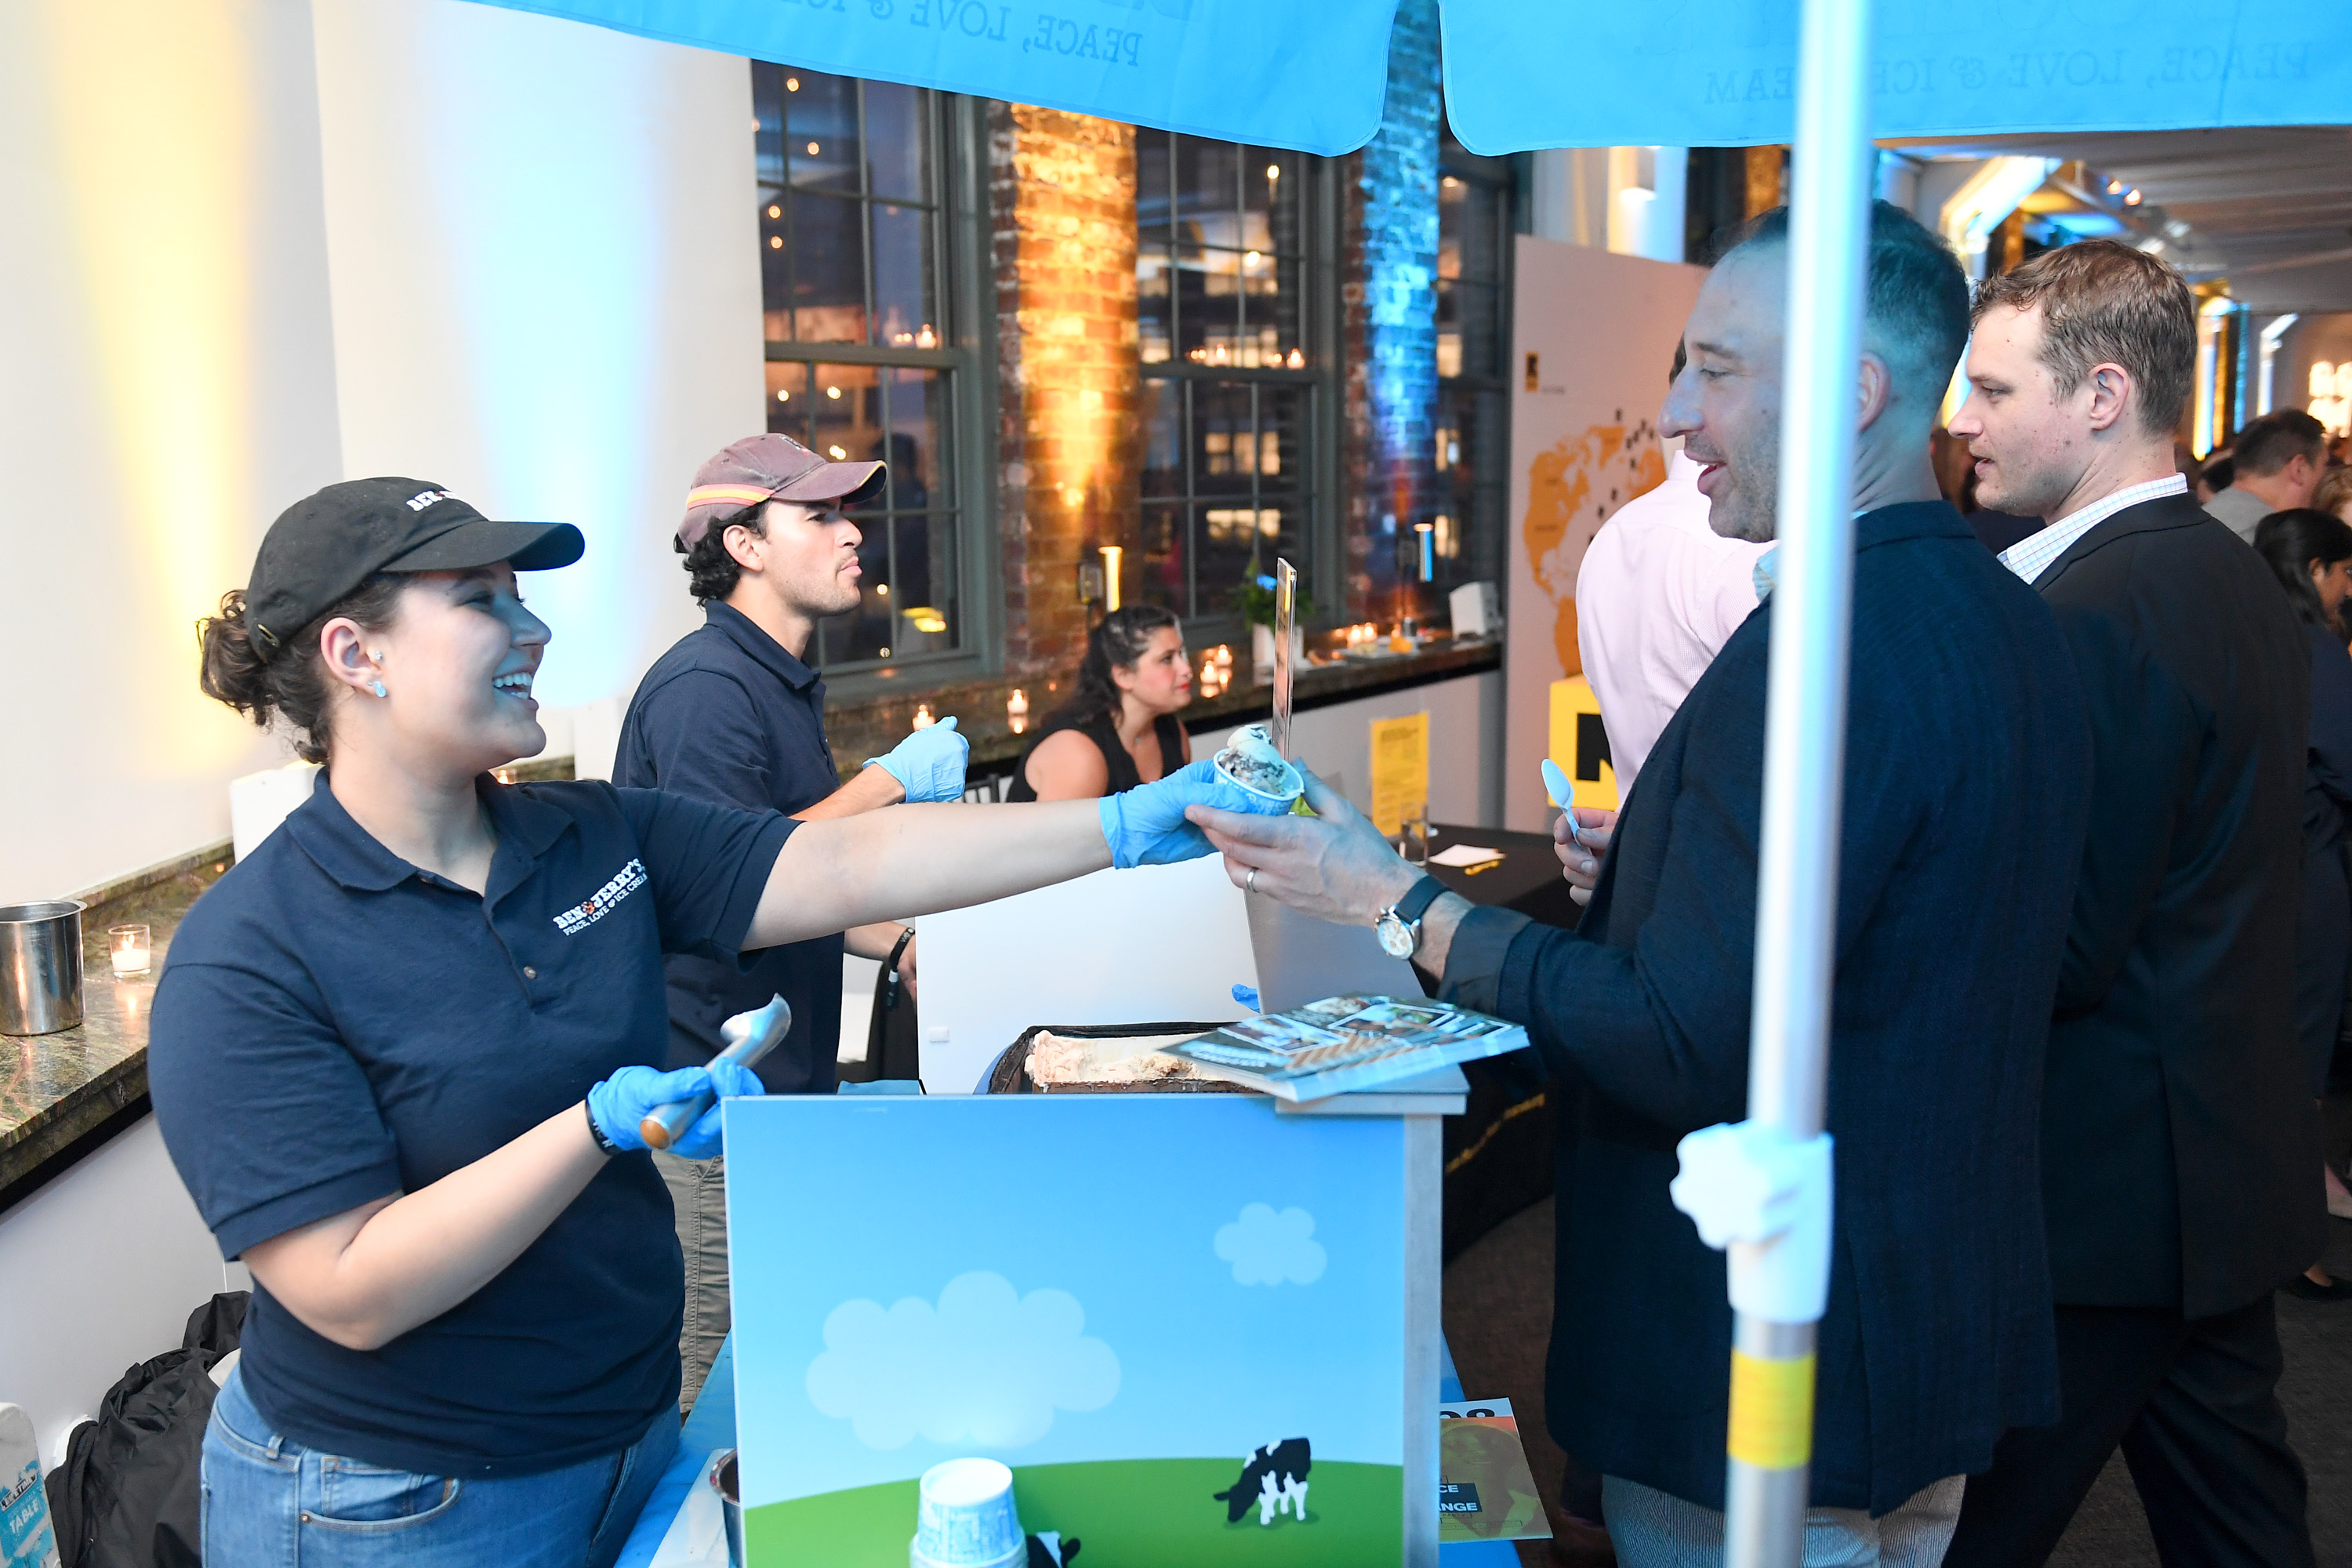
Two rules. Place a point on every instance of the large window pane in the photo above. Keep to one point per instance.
(1165, 574)
(827, 251)
(919, 444)
(1162, 416)
(905, 306)
(789, 408)
(923, 586)
(821, 142)
(1207, 191)
(898, 143)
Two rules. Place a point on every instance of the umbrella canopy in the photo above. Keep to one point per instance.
(1670, 72)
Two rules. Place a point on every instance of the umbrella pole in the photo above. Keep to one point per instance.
(1779, 1284)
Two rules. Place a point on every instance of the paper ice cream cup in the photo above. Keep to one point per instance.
(964, 1518)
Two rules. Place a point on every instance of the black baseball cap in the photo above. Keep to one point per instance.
(324, 546)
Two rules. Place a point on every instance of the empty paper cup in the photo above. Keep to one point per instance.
(964, 1518)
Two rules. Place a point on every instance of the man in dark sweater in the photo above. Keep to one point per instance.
(1967, 774)
(2178, 1129)
(731, 714)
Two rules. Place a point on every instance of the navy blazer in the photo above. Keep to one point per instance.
(1967, 774)
(2178, 1129)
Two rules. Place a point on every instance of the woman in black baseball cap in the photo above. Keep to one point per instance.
(400, 1053)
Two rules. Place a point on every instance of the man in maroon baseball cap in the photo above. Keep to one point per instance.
(761, 468)
(732, 714)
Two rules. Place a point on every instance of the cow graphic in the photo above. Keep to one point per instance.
(1274, 1478)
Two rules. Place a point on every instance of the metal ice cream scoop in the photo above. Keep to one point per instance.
(749, 1036)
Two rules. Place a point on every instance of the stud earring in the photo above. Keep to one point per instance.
(378, 688)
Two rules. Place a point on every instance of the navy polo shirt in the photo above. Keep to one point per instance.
(334, 1026)
(727, 715)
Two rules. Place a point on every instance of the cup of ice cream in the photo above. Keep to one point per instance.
(1250, 761)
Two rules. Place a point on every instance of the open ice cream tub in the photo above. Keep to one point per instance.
(1250, 761)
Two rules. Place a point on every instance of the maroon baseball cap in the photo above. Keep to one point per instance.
(762, 469)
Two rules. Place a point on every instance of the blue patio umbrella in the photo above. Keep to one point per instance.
(1826, 75)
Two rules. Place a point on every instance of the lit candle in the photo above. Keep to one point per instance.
(129, 949)
(923, 719)
(1016, 708)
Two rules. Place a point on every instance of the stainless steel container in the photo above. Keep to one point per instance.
(721, 1475)
(41, 967)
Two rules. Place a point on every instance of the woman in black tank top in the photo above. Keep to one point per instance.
(1118, 730)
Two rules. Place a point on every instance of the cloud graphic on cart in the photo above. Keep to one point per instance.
(986, 1367)
(1267, 1248)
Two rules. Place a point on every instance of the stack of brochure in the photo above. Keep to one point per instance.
(1347, 1043)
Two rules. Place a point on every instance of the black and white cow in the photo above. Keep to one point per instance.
(1274, 1478)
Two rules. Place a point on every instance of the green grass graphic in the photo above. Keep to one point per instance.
(1131, 1514)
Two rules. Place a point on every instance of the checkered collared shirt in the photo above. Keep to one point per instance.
(2031, 556)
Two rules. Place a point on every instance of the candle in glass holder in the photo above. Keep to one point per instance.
(923, 719)
(129, 948)
(1016, 710)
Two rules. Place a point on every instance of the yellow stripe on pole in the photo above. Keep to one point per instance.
(1771, 1411)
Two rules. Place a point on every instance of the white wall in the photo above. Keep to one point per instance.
(166, 386)
(73, 1316)
(544, 248)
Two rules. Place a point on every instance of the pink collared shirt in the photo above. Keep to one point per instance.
(1659, 593)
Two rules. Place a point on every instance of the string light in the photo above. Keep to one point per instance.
(784, 394)
(811, 148)
(776, 242)
(791, 84)
(775, 211)
(833, 392)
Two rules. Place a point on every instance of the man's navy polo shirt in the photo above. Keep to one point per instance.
(334, 1026)
(727, 715)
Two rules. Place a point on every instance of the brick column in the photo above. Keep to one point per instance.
(1389, 267)
(1062, 206)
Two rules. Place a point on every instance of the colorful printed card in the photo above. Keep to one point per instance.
(1484, 1489)
(1179, 1318)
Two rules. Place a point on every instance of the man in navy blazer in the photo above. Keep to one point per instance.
(1966, 773)
(2178, 1131)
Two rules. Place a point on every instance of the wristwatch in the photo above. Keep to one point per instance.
(1398, 926)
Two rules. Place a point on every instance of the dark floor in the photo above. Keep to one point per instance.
(1498, 1318)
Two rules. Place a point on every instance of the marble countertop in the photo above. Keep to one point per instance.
(59, 1090)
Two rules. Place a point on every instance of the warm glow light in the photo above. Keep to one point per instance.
(927, 338)
(1249, 258)
(776, 242)
(2131, 198)
(176, 314)
(923, 719)
(774, 211)
(1297, 361)
(1110, 555)
(791, 84)
(834, 392)
(2114, 187)
(784, 394)
(837, 453)
(811, 148)
(883, 589)
(1016, 710)
(1274, 171)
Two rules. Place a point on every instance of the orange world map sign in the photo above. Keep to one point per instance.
(1574, 486)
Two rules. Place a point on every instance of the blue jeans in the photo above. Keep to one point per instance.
(269, 1502)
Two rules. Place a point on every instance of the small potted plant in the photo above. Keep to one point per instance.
(1254, 598)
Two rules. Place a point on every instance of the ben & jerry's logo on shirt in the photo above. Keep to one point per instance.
(587, 912)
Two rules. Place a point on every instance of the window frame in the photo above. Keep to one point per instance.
(1319, 340)
(966, 359)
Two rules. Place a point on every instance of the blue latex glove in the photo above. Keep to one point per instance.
(623, 1101)
(1146, 826)
(929, 764)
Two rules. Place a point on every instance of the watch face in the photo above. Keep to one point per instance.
(1396, 937)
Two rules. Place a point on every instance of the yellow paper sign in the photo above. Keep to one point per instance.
(1580, 745)
(1399, 769)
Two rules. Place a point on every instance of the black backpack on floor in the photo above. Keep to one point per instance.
(128, 1494)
